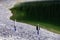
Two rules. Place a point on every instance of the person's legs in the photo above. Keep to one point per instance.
(15, 28)
(38, 32)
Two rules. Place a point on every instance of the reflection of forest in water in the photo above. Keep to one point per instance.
(42, 11)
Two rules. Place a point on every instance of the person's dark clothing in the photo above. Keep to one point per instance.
(36, 27)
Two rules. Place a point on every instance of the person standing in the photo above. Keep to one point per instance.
(14, 25)
(37, 28)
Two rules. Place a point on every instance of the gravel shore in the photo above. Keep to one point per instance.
(24, 31)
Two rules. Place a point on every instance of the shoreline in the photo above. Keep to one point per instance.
(43, 32)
